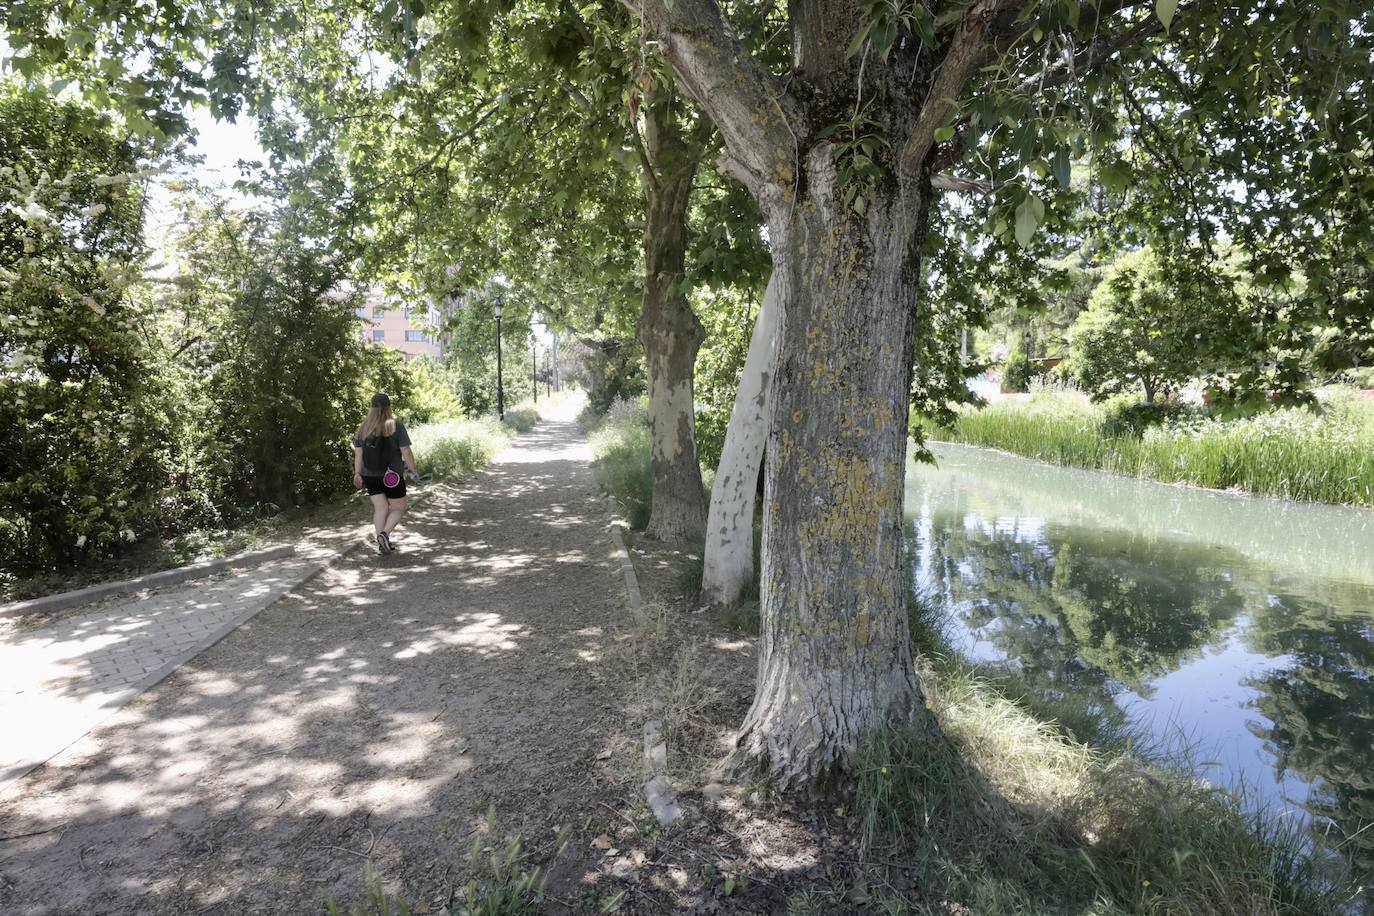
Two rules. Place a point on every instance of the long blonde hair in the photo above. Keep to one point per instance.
(379, 422)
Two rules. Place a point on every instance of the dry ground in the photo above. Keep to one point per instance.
(376, 715)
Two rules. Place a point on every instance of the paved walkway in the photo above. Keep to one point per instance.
(59, 681)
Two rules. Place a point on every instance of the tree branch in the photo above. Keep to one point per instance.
(1067, 70)
(943, 182)
(747, 103)
(964, 51)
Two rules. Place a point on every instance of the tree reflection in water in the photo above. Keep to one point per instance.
(1102, 611)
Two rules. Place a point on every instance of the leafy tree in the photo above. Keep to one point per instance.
(281, 371)
(1175, 104)
(1149, 326)
(82, 408)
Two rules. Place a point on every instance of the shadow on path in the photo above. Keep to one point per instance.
(376, 712)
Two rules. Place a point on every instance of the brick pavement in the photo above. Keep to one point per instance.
(58, 681)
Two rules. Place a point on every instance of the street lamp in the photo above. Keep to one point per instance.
(496, 307)
(534, 368)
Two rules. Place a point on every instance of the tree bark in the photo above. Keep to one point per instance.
(671, 334)
(835, 662)
(728, 560)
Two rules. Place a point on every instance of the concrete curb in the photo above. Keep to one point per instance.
(627, 568)
(152, 580)
(659, 795)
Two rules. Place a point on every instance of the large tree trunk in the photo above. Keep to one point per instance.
(728, 561)
(671, 335)
(835, 666)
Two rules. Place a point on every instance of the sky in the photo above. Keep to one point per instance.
(222, 145)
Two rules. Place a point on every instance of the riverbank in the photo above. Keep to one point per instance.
(1039, 801)
(1320, 455)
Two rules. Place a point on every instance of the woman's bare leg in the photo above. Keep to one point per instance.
(396, 508)
(379, 513)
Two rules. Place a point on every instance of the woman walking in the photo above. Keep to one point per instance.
(381, 453)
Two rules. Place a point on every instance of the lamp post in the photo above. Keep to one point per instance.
(496, 307)
(534, 368)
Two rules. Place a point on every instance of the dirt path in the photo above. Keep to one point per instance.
(375, 713)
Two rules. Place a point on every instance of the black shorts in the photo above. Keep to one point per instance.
(375, 487)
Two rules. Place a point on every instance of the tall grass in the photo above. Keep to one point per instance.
(521, 419)
(454, 448)
(620, 445)
(1296, 453)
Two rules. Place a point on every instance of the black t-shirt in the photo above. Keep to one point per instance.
(390, 450)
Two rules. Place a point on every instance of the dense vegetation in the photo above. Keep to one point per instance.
(159, 404)
(1045, 799)
(1324, 454)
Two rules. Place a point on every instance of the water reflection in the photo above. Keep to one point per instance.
(1244, 626)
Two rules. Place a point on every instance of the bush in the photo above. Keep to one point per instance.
(432, 393)
(84, 404)
(1362, 377)
(521, 419)
(1018, 370)
(1123, 415)
(620, 444)
(456, 447)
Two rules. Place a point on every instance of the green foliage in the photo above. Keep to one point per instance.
(502, 881)
(1148, 325)
(522, 419)
(728, 317)
(84, 410)
(1018, 370)
(470, 361)
(147, 408)
(432, 396)
(273, 372)
(456, 448)
(620, 444)
(1361, 378)
(376, 900)
(615, 371)
(1123, 415)
(1296, 453)
(689, 571)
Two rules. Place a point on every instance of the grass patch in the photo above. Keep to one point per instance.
(1040, 802)
(455, 448)
(1321, 455)
(521, 419)
(502, 881)
(689, 570)
(742, 617)
(620, 446)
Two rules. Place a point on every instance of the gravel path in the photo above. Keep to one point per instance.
(374, 713)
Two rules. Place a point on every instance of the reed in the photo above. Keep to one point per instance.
(1322, 455)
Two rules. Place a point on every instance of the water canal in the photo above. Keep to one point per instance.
(1241, 627)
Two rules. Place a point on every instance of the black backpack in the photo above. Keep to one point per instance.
(376, 452)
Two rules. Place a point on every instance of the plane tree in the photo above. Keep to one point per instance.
(843, 152)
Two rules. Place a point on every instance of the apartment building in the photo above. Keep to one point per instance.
(411, 329)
